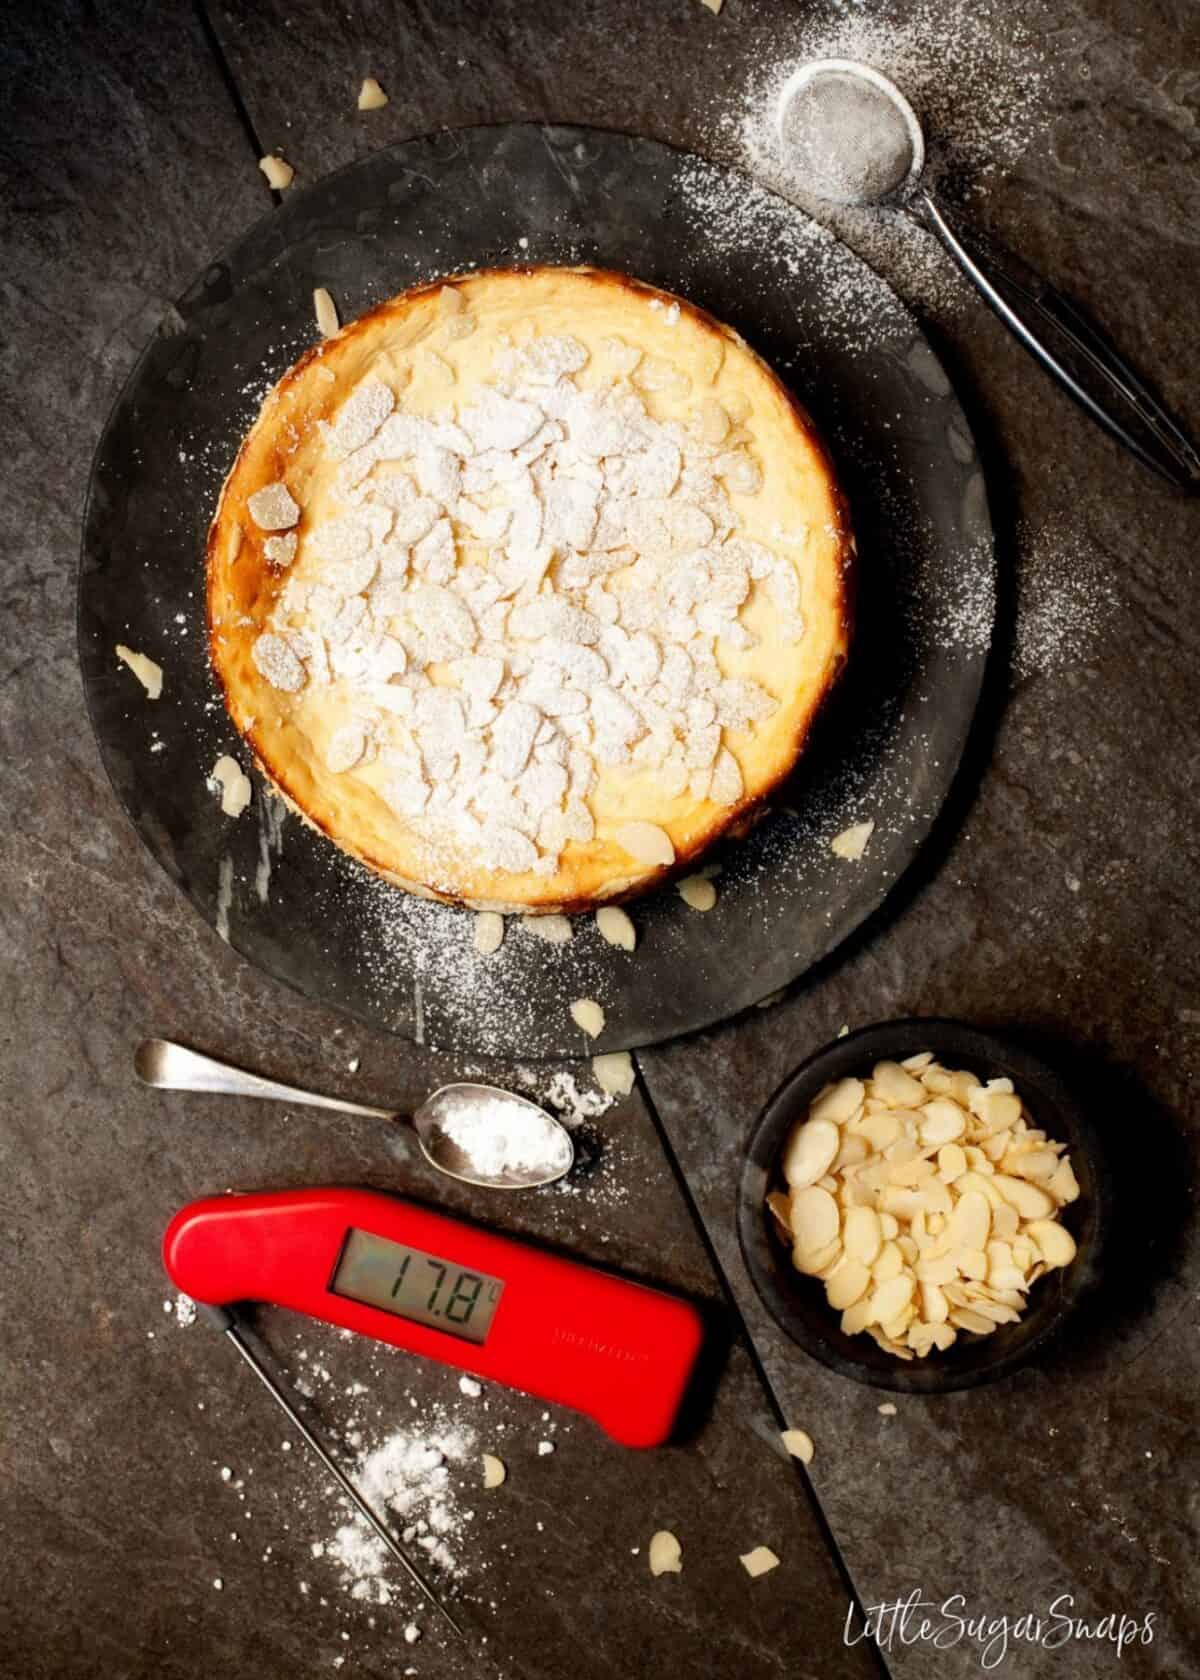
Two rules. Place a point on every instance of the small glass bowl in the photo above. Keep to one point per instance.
(797, 1303)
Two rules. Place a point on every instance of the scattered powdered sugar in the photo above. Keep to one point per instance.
(976, 76)
(573, 1106)
(859, 309)
(409, 1479)
(1066, 600)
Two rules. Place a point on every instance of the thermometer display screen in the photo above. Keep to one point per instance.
(415, 1285)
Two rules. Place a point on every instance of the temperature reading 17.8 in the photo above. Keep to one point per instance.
(418, 1286)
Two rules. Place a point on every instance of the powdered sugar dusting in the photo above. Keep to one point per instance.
(580, 640)
(410, 1480)
(1066, 601)
(976, 76)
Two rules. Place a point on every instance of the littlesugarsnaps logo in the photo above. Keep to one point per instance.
(917, 1620)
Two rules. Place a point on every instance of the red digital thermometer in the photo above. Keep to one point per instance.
(433, 1285)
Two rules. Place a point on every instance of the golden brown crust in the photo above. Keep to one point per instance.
(242, 584)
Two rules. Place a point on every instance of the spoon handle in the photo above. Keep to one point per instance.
(1025, 312)
(172, 1067)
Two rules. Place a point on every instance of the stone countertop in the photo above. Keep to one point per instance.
(1057, 900)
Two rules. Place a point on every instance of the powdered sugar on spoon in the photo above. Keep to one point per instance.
(476, 1133)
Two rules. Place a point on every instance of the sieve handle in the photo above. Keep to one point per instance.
(1025, 306)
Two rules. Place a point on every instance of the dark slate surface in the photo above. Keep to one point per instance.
(1060, 900)
(128, 167)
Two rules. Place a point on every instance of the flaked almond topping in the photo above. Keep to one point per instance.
(273, 508)
(346, 747)
(280, 175)
(275, 660)
(371, 96)
(799, 1443)
(616, 927)
(228, 776)
(697, 892)
(762, 1559)
(588, 1016)
(326, 312)
(495, 1472)
(614, 1073)
(280, 551)
(481, 537)
(489, 932)
(145, 670)
(665, 1555)
(851, 843)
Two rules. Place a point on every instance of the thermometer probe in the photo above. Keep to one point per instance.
(434, 1285)
(222, 1319)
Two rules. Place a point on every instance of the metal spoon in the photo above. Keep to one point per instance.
(172, 1067)
(886, 168)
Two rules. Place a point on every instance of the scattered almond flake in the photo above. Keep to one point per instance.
(851, 843)
(588, 1016)
(887, 1409)
(714, 6)
(759, 1562)
(799, 1443)
(353, 1065)
(614, 1073)
(697, 892)
(280, 175)
(646, 843)
(665, 1555)
(489, 932)
(145, 670)
(545, 1448)
(218, 1584)
(273, 508)
(470, 1387)
(228, 777)
(616, 928)
(495, 1472)
(551, 930)
(326, 313)
(371, 96)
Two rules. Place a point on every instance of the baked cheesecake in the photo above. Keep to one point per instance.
(527, 586)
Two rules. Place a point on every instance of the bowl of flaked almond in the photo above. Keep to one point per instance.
(923, 1206)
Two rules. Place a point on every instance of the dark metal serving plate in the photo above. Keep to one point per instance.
(886, 749)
